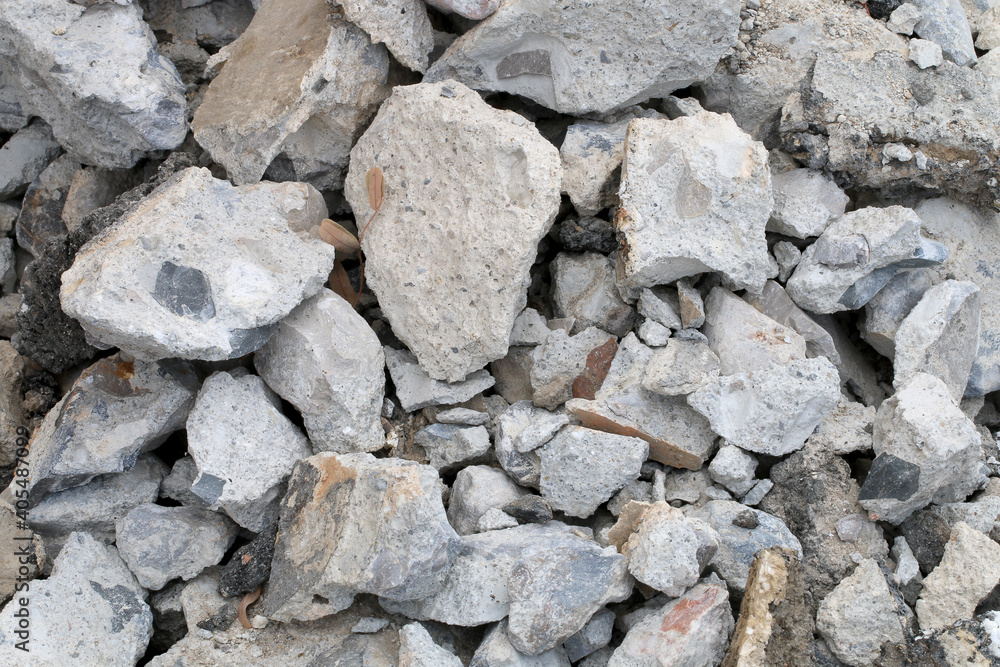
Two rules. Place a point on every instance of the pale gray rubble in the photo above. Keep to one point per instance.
(449, 446)
(924, 54)
(845, 429)
(862, 106)
(787, 255)
(449, 251)
(496, 650)
(926, 451)
(584, 289)
(968, 234)
(690, 304)
(95, 507)
(860, 615)
(903, 19)
(95, 76)
(653, 333)
(13, 112)
(417, 649)
(91, 607)
(677, 434)
(695, 197)
(40, 219)
(24, 156)
(495, 519)
(244, 448)
(471, 9)
(582, 468)
(666, 550)
(742, 532)
(777, 51)
(680, 367)
(525, 427)
(889, 307)
(984, 19)
(660, 304)
(744, 339)
(26, 560)
(969, 571)
(775, 303)
(805, 202)
(940, 336)
(857, 255)
(530, 328)
(164, 543)
(578, 58)
(562, 359)
(202, 605)
(326, 361)
(734, 469)
(352, 524)
(691, 630)
(177, 485)
(944, 23)
(8, 266)
(200, 269)
(464, 417)
(858, 373)
(114, 412)
(402, 25)
(338, 75)
(8, 213)
(595, 635)
(416, 390)
(591, 157)
(770, 411)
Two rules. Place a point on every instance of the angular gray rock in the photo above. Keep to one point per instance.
(244, 448)
(352, 524)
(114, 412)
(24, 156)
(595, 635)
(940, 336)
(778, 408)
(40, 219)
(326, 361)
(805, 201)
(91, 608)
(578, 58)
(584, 289)
(478, 489)
(653, 333)
(944, 22)
(416, 390)
(336, 75)
(95, 76)
(734, 469)
(924, 54)
(520, 430)
(775, 303)
(530, 328)
(449, 250)
(887, 309)
(691, 305)
(450, 445)
(200, 269)
(402, 25)
(679, 214)
(926, 450)
(417, 649)
(582, 468)
(562, 359)
(659, 305)
(969, 570)
(177, 485)
(163, 543)
(845, 429)
(496, 651)
(680, 368)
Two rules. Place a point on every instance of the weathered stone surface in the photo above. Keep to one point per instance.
(24, 156)
(250, 565)
(787, 255)
(653, 333)
(925, 54)
(352, 524)
(402, 25)
(449, 251)
(774, 302)
(692, 630)
(417, 649)
(805, 201)
(163, 543)
(530, 328)
(582, 468)
(326, 361)
(450, 445)
(584, 289)
(92, 188)
(337, 73)
(944, 23)
(968, 572)
(734, 469)
(680, 368)
(556, 365)
(860, 615)
(692, 307)
(595, 634)
(200, 269)
(676, 433)
(496, 650)
(40, 219)
(115, 411)
(471, 9)
(940, 336)
(927, 450)
(177, 485)
(659, 305)
(587, 233)
(578, 58)
(678, 214)
(779, 408)
(90, 608)
(887, 309)
(740, 544)
(529, 509)
(525, 427)
(244, 448)
(416, 390)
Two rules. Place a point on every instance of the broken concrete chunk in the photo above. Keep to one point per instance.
(805, 201)
(40, 219)
(596, 634)
(734, 469)
(944, 23)
(496, 650)
(402, 25)
(924, 54)
(562, 359)
(584, 289)
(692, 307)
(326, 361)
(845, 429)
(969, 570)
(653, 333)
(787, 255)
(24, 156)
(525, 427)
(450, 445)
(417, 649)
(660, 306)
(680, 368)
(774, 302)
(529, 328)
(416, 390)
(940, 336)
(887, 309)
(200, 269)
(678, 213)
(470, 9)
(904, 18)
(336, 72)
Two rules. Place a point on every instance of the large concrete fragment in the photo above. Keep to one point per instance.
(415, 390)
(450, 248)
(353, 524)
(695, 197)
(805, 201)
(579, 57)
(200, 269)
(326, 361)
(402, 25)
(774, 302)
(927, 450)
(299, 60)
(95, 76)
(887, 309)
(969, 570)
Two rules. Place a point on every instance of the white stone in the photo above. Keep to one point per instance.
(805, 201)
(477, 490)
(402, 25)
(654, 334)
(448, 253)
(734, 469)
(416, 390)
(417, 649)
(471, 9)
(200, 269)
(584, 289)
(579, 57)
(903, 19)
(326, 361)
(95, 76)
(925, 53)
(495, 519)
(680, 368)
(450, 445)
(695, 197)
(907, 567)
(969, 570)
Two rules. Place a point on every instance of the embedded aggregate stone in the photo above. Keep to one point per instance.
(415, 389)
(457, 231)
(172, 278)
(326, 361)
